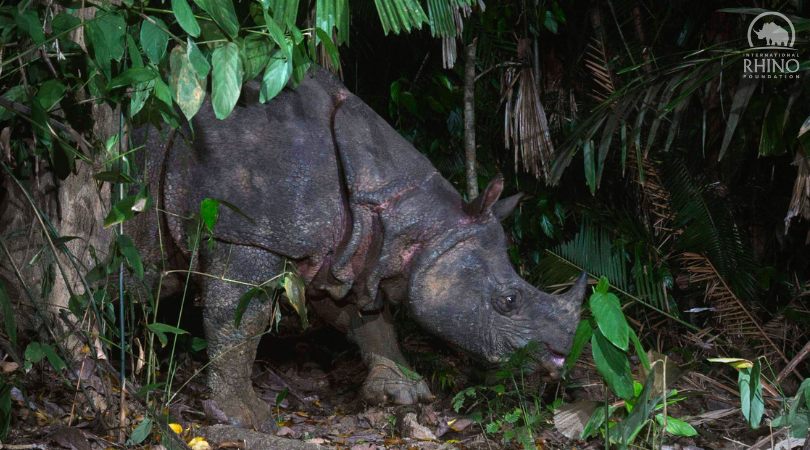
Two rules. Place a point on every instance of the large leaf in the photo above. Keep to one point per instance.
(28, 21)
(226, 80)
(613, 365)
(581, 337)
(610, 318)
(198, 59)
(130, 253)
(751, 399)
(185, 17)
(275, 76)
(187, 85)
(154, 39)
(294, 290)
(224, 15)
(676, 426)
(397, 15)
(256, 54)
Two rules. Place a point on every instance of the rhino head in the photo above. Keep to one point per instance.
(464, 289)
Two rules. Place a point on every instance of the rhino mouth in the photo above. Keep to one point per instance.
(555, 358)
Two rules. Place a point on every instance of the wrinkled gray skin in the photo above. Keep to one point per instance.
(379, 227)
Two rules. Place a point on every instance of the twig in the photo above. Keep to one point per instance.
(24, 110)
(794, 362)
(20, 446)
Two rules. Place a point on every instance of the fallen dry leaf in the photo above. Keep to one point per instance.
(71, 438)
(460, 424)
(176, 427)
(230, 444)
(199, 443)
(285, 431)
(8, 366)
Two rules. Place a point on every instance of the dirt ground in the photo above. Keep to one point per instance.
(319, 374)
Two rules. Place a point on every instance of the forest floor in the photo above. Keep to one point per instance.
(320, 374)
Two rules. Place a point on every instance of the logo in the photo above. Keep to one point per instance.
(772, 35)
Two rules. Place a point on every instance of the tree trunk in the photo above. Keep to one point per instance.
(469, 122)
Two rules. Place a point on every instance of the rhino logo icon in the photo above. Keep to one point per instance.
(778, 33)
(773, 34)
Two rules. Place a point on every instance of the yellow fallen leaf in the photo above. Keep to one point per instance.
(451, 441)
(199, 443)
(176, 427)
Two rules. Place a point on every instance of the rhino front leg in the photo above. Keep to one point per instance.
(232, 350)
(377, 339)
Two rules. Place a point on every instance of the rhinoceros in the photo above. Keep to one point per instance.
(773, 34)
(366, 220)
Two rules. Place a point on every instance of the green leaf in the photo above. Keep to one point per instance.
(140, 433)
(185, 17)
(278, 35)
(130, 254)
(33, 354)
(154, 39)
(294, 290)
(676, 426)
(256, 54)
(188, 87)
(610, 318)
(581, 336)
(163, 328)
(198, 344)
(282, 395)
(64, 23)
(162, 92)
(111, 29)
(275, 77)
(223, 13)
(28, 21)
(408, 372)
(244, 302)
(752, 403)
(198, 59)
(595, 421)
(329, 46)
(50, 92)
(642, 355)
(128, 207)
(613, 365)
(227, 79)
(53, 358)
(8, 314)
(209, 211)
(134, 75)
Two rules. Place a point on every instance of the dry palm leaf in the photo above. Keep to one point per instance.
(800, 202)
(526, 126)
(653, 197)
(596, 61)
(570, 419)
(735, 318)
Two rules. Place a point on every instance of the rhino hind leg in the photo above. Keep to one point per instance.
(375, 335)
(232, 350)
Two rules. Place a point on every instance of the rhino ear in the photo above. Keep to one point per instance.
(486, 199)
(502, 208)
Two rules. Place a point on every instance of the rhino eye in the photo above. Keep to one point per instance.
(507, 302)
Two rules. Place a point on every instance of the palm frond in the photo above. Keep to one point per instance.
(398, 15)
(709, 229)
(596, 61)
(654, 199)
(730, 311)
(526, 125)
(591, 249)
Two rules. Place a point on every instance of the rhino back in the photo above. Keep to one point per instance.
(276, 162)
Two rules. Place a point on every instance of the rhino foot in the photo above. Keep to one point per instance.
(386, 383)
(247, 411)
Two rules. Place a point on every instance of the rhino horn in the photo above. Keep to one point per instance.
(576, 295)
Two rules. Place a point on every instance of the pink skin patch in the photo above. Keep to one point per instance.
(557, 359)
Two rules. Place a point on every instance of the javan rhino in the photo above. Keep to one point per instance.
(368, 222)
